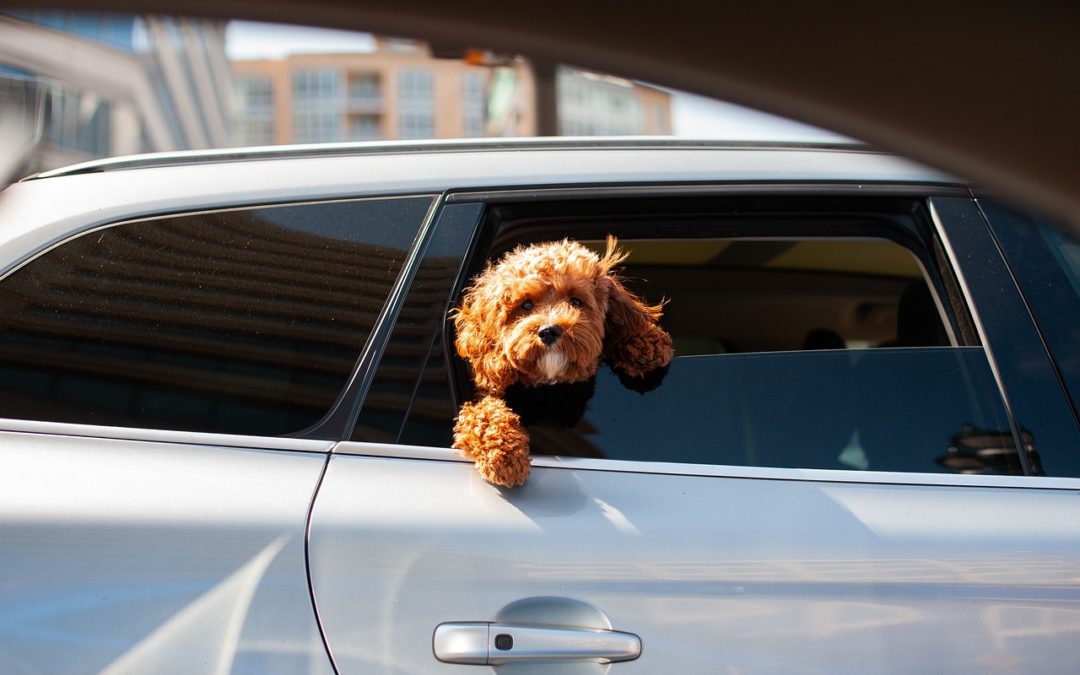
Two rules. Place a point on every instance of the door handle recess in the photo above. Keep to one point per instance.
(490, 643)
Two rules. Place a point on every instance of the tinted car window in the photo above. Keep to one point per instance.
(247, 321)
(416, 341)
(1046, 262)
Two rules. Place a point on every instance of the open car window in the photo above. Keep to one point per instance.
(802, 340)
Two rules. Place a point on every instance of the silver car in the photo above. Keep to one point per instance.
(228, 389)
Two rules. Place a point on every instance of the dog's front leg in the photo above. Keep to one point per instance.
(491, 434)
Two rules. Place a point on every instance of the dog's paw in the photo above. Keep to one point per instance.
(491, 435)
(643, 353)
(645, 382)
(508, 469)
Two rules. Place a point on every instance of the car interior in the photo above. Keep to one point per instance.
(766, 295)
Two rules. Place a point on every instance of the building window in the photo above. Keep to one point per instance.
(253, 132)
(416, 103)
(473, 104)
(78, 121)
(254, 92)
(254, 121)
(365, 128)
(597, 105)
(365, 95)
(114, 30)
(317, 105)
(315, 86)
(660, 118)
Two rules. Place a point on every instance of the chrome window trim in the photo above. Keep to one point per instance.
(842, 188)
(164, 436)
(422, 453)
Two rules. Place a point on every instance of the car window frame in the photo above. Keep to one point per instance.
(945, 260)
(930, 254)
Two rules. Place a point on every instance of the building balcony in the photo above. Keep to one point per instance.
(364, 101)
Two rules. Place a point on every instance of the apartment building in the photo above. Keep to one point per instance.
(400, 91)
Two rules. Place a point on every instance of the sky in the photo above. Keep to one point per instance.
(692, 116)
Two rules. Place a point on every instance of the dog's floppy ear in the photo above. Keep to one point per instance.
(475, 324)
(634, 342)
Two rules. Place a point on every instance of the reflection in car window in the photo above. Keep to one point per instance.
(1046, 262)
(246, 321)
(416, 342)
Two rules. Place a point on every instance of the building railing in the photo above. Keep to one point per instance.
(364, 99)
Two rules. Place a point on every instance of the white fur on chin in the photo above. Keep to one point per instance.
(551, 365)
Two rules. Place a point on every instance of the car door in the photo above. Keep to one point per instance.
(774, 506)
(163, 382)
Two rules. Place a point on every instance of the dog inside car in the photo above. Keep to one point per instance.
(535, 326)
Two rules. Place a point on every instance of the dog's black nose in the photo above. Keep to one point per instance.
(549, 334)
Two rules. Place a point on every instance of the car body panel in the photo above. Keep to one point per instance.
(714, 573)
(124, 556)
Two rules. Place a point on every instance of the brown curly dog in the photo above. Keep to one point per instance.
(545, 314)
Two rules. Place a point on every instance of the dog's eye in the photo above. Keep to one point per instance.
(527, 305)
(576, 302)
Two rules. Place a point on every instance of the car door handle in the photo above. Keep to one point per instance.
(492, 644)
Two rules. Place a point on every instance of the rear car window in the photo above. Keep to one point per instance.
(243, 321)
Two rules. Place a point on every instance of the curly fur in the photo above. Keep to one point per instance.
(560, 288)
(494, 438)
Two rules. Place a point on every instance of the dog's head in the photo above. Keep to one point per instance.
(544, 314)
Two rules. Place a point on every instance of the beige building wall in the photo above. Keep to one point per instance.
(656, 110)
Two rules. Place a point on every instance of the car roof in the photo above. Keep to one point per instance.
(37, 212)
(549, 161)
(178, 158)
